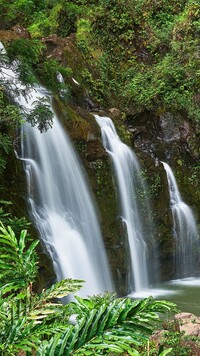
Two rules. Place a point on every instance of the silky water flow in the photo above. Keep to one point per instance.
(184, 229)
(59, 199)
(134, 204)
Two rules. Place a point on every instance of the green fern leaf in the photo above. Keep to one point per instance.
(65, 339)
(62, 289)
(83, 334)
(53, 345)
(7, 241)
(95, 324)
(29, 253)
(74, 337)
(22, 241)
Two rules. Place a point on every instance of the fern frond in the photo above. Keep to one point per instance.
(62, 289)
(17, 266)
(41, 323)
(116, 326)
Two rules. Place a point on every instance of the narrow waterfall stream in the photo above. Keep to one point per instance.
(129, 181)
(59, 199)
(184, 229)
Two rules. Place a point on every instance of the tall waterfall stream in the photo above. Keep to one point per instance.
(60, 201)
(130, 182)
(63, 209)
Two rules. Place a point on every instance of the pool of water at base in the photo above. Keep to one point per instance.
(185, 293)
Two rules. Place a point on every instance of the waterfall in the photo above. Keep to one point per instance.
(130, 183)
(184, 229)
(60, 202)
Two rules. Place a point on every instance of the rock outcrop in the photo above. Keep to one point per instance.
(188, 323)
(182, 334)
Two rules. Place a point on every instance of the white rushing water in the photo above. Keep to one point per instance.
(130, 182)
(184, 229)
(60, 201)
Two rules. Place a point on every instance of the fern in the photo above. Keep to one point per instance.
(40, 322)
(26, 318)
(18, 268)
(63, 288)
(112, 326)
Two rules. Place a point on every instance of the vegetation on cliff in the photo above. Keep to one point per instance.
(146, 53)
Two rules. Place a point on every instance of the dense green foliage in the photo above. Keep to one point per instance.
(146, 52)
(151, 49)
(31, 321)
(10, 118)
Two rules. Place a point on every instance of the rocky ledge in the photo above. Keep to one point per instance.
(188, 323)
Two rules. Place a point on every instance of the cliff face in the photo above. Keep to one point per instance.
(154, 135)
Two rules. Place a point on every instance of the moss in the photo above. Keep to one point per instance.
(124, 134)
(103, 186)
(78, 127)
(188, 177)
(74, 59)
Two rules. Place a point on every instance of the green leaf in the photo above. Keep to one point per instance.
(22, 241)
(166, 352)
(53, 344)
(83, 334)
(6, 240)
(63, 288)
(65, 339)
(95, 324)
(6, 202)
(31, 250)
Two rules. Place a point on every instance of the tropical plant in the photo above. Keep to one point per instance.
(31, 321)
(26, 317)
(17, 268)
(106, 324)
(16, 223)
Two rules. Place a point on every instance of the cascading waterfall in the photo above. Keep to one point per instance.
(61, 204)
(130, 182)
(184, 229)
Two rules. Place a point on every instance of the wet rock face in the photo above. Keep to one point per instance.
(163, 135)
(54, 47)
(169, 128)
(114, 113)
(65, 51)
(95, 150)
(21, 31)
(15, 33)
(169, 137)
(185, 131)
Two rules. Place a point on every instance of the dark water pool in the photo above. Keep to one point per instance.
(184, 292)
